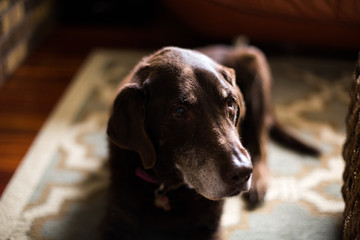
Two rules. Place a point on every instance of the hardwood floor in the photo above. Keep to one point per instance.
(27, 98)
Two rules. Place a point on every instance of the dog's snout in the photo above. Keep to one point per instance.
(239, 171)
(240, 175)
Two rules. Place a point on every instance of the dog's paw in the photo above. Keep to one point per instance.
(259, 185)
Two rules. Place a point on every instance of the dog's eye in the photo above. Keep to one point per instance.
(231, 104)
(180, 112)
(232, 109)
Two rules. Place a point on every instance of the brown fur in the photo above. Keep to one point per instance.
(181, 115)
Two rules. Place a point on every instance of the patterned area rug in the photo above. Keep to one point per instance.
(58, 191)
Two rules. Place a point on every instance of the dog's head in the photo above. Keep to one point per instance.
(181, 113)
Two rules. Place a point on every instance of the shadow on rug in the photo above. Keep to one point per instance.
(59, 190)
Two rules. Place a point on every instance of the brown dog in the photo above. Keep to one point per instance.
(184, 137)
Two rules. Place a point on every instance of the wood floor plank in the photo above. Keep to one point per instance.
(28, 97)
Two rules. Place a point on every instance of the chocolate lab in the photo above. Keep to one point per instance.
(187, 130)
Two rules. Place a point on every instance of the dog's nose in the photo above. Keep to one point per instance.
(239, 171)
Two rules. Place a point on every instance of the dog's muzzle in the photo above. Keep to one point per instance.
(238, 173)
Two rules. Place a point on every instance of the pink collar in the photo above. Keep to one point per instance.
(160, 198)
(141, 173)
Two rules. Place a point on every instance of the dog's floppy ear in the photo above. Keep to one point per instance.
(241, 103)
(230, 76)
(126, 124)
